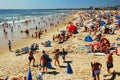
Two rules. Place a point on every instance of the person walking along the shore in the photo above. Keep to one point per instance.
(9, 45)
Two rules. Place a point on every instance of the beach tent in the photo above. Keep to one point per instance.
(102, 23)
(72, 28)
(29, 76)
(88, 38)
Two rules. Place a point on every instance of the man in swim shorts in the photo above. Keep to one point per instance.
(31, 57)
(109, 62)
(96, 70)
(44, 60)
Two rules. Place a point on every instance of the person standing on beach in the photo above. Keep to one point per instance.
(31, 57)
(109, 62)
(96, 70)
(63, 53)
(56, 57)
(36, 28)
(39, 34)
(44, 61)
(9, 45)
(12, 29)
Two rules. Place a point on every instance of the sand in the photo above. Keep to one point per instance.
(17, 66)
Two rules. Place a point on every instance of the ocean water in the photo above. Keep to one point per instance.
(14, 14)
(35, 17)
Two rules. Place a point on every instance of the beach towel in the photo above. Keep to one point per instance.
(25, 50)
(83, 47)
(99, 54)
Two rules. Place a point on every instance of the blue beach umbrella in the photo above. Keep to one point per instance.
(118, 22)
(102, 23)
(63, 31)
(29, 76)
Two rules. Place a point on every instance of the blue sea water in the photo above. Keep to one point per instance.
(15, 14)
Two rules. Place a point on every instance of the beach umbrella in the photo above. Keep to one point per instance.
(29, 76)
(63, 31)
(72, 28)
(102, 23)
(118, 22)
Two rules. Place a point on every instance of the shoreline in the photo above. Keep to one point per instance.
(29, 40)
(22, 36)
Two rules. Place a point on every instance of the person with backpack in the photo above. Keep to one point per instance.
(44, 60)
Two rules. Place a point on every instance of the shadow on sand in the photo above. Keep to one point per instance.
(53, 72)
(68, 62)
(114, 74)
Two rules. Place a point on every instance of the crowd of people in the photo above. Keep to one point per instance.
(99, 26)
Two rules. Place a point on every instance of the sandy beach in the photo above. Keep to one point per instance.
(17, 66)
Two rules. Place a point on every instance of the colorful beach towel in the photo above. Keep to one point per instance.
(83, 47)
(99, 54)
